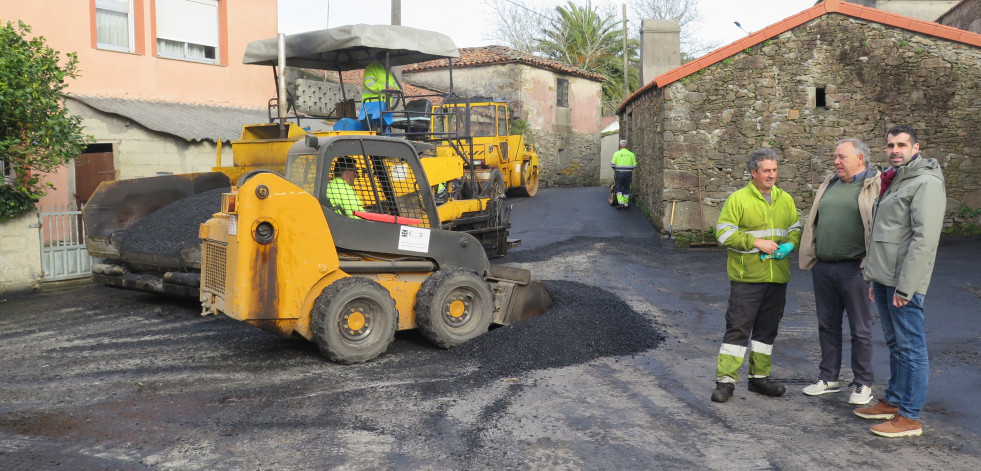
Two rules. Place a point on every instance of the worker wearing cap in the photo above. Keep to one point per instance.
(340, 191)
(623, 164)
(760, 227)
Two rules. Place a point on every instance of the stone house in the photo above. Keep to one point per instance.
(833, 71)
(160, 85)
(561, 105)
(927, 10)
(965, 15)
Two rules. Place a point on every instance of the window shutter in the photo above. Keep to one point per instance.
(121, 6)
(188, 21)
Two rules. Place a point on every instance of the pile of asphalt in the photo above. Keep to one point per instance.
(584, 324)
(164, 231)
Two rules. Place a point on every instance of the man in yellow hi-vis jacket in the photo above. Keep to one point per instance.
(376, 79)
(340, 191)
(760, 227)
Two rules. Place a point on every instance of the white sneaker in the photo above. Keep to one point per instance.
(861, 394)
(822, 387)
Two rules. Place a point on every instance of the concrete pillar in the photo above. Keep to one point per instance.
(20, 254)
(660, 48)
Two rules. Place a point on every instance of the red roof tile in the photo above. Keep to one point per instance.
(479, 56)
(823, 8)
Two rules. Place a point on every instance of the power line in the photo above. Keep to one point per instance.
(526, 8)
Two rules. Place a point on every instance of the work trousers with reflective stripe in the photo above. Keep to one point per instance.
(752, 320)
(622, 179)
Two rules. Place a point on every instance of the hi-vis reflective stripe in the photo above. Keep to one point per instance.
(732, 350)
(759, 347)
(797, 226)
(768, 233)
(724, 231)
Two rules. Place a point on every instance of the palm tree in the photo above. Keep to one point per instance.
(583, 37)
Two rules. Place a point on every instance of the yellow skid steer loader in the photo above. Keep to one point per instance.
(287, 255)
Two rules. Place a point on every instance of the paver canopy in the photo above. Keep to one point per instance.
(353, 47)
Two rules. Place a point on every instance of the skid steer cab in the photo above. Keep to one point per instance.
(346, 248)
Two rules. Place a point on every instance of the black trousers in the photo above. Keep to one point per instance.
(839, 288)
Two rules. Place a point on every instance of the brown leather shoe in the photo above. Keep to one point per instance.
(880, 411)
(899, 426)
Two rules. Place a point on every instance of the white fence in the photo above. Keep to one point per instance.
(63, 253)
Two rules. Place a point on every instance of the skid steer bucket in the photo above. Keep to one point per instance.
(520, 297)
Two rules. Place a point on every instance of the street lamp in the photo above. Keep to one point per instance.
(740, 27)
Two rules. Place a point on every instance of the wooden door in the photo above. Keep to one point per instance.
(91, 169)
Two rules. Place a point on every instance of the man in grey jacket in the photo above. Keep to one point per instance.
(907, 220)
(833, 247)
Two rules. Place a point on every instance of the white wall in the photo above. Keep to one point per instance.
(20, 254)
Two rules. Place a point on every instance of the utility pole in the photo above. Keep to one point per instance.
(626, 83)
(396, 12)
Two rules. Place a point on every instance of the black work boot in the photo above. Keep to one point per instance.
(766, 387)
(723, 391)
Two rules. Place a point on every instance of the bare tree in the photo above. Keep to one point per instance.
(518, 24)
(686, 12)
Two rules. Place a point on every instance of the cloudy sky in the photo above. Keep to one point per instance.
(464, 20)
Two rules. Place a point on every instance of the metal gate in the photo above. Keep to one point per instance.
(63, 253)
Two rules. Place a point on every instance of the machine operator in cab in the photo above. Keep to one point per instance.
(340, 191)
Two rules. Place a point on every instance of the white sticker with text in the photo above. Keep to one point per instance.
(414, 239)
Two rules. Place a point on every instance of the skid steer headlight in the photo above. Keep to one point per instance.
(263, 232)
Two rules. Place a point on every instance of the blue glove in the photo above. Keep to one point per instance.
(783, 250)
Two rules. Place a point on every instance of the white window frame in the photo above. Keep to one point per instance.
(6, 173)
(186, 24)
(118, 6)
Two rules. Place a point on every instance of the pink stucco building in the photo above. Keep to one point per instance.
(161, 83)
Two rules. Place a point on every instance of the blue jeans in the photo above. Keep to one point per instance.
(909, 363)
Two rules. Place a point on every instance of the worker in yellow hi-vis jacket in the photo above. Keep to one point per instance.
(760, 227)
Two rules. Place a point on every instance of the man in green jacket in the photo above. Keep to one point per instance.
(833, 247)
(760, 227)
(906, 224)
(340, 191)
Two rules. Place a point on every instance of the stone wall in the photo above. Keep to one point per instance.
(567, 139)
(20, 254)
(567, 159)
(871, 77)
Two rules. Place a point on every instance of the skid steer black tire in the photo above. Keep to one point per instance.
(354, 320)
(454, 305)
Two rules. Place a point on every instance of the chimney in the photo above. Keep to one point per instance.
(660, 48)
